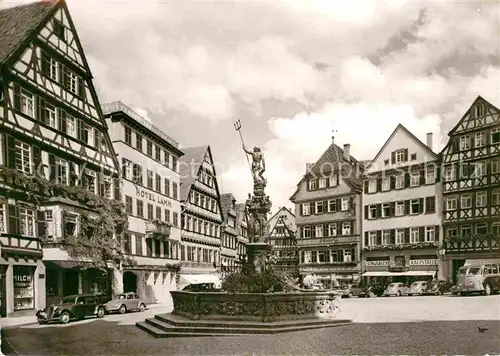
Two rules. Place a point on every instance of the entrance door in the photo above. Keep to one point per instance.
(3, 302)
(129, 282)
(70, 282)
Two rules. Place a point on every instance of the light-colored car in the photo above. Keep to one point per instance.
(418, 288)
(397, 288)
(125, 302)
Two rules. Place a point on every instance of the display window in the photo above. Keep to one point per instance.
(24, 291)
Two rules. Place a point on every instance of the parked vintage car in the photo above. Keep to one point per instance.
(372, 290)
(72, 307)
(125, 302)
(417, 288)
(438, 288)
(350, 290)
(397, 288)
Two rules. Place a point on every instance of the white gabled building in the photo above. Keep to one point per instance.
(402, 210)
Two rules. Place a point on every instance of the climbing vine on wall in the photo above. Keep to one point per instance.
(93, 240)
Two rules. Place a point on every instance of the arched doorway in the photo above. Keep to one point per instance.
(129, 282)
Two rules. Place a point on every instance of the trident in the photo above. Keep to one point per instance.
(237, 127)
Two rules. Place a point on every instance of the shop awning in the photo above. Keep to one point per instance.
(397, 274)
(186, 279)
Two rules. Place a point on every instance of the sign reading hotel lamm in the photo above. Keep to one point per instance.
(429, 262)
(152, 197)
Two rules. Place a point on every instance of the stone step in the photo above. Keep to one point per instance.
(177, 320)
(158, 333)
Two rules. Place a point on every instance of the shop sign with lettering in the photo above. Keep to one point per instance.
(155, 198)
(22, 280)
(383, 263)
(428, 262)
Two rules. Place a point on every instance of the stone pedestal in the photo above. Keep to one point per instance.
(257, 253)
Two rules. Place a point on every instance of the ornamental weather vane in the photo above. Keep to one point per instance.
(258, 205)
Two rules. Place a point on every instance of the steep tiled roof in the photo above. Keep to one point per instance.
(226, 201)
(189, 165)
(16, 23)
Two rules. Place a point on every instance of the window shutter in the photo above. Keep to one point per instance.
(325, 206)
(325, 230)
(379, 211)
(407, 207)
(352, 228)
(421, 233)
(436, 232)
(52, 166)
(392, 210)
(366, 238)
(3, 149)
(41, 227)
(354, 258)
(64, 72)
(405, 155)
(45, 60)
(422, 177)
(37, 161)
(393, 157)
(17, 96)
(393, 182)
(13, 220)
(300, 205)
(313, 231)
(40, 108)
(62, 120)
(81, 131)
(81, 88)
(379, 237)
(97, 140)
(312, 208)
(421, 205)
(366, 212)
(116, 183)
(379, 184)
(11, 151)
(392, 235)
(438, 173)
(407, 179)
(366, 187)
(407, 235)
(339, 204)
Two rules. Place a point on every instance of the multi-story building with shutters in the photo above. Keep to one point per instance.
(402, 210)
(150, 191)
(242, 237)
(202, 217)
(282, 230)
(328, 216)
(51, 130)
(471, 187)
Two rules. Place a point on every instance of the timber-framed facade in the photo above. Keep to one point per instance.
(51, 127)
(471, 187)
(282, 229)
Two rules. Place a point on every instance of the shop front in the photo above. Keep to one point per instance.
(333, 275)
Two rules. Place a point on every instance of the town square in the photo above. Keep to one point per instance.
(225, 178)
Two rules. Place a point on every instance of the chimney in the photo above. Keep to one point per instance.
(429, 140)
(347, 152)
(333, 139)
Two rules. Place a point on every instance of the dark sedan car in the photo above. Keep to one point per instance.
(72, 307)
(372, 290)
(438, 288)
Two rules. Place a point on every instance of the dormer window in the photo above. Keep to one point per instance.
(312, 184)
(479, 110)
(400, 156)
(321, 183)
(332, 181)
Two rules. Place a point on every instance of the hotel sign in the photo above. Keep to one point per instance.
(155, 198)
(384, 263)
(429, 262)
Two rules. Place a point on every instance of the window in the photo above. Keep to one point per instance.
(430, 205)
(89, 180)
(373, 212)
(451, 203)
(400, 208)
(149, 148)
(307, 231)
(465, 201)
(372, 186)
(495, 136)
(495, 197)
(26, 221)
(481, 229)
(372, 238)
(138, 142)
(347, 256)
(49, 66)
(128, 205)
(157, 153)
(495, 166)
(319, 207)
(128, 135)
(27, 103)
(466, 230)
(312, 184)
(386, 184)
(332, 181)
(22, 157)
(496, 228)
(158, 183)
(174, 190)
(139, 208)
(70, 224)
(449, 173)
(452, 232)
(400, 181)
(174, 164)
(105, 187)
(481, 199)
(415, 206)
(479, 169)
(150, 212)
(158, 213)
(400, 236)
(71, 81)
(62, 171)
(464, 143)
(3, 217)
(332, 229)
(386, 237)
(332, 206)
(175, 219)
(480, 139)
(400, 156)
(319, 230)
(322, 183)
(70, 126)
(50, 115)
(59, 30)
(386, 210)
(430, 175)
(49, 221)
(414, 179)
(414, 238)
(346, 228)
(430, 234)
(344, 204)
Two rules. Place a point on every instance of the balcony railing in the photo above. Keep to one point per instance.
(158, 229)
(473, 243)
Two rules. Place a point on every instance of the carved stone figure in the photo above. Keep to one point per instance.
(258, 164)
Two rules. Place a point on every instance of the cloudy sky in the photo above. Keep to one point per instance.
(292, 71)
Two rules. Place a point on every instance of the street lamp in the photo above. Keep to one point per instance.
(441, 252)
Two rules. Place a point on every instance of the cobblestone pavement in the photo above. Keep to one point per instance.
(405, 325)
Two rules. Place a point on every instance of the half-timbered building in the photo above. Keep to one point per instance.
(51, 128)
(150, 190)
(242, 237)
(402, 210)
(471, 187)
(201, 217)
(282, 229)
(328, 217)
